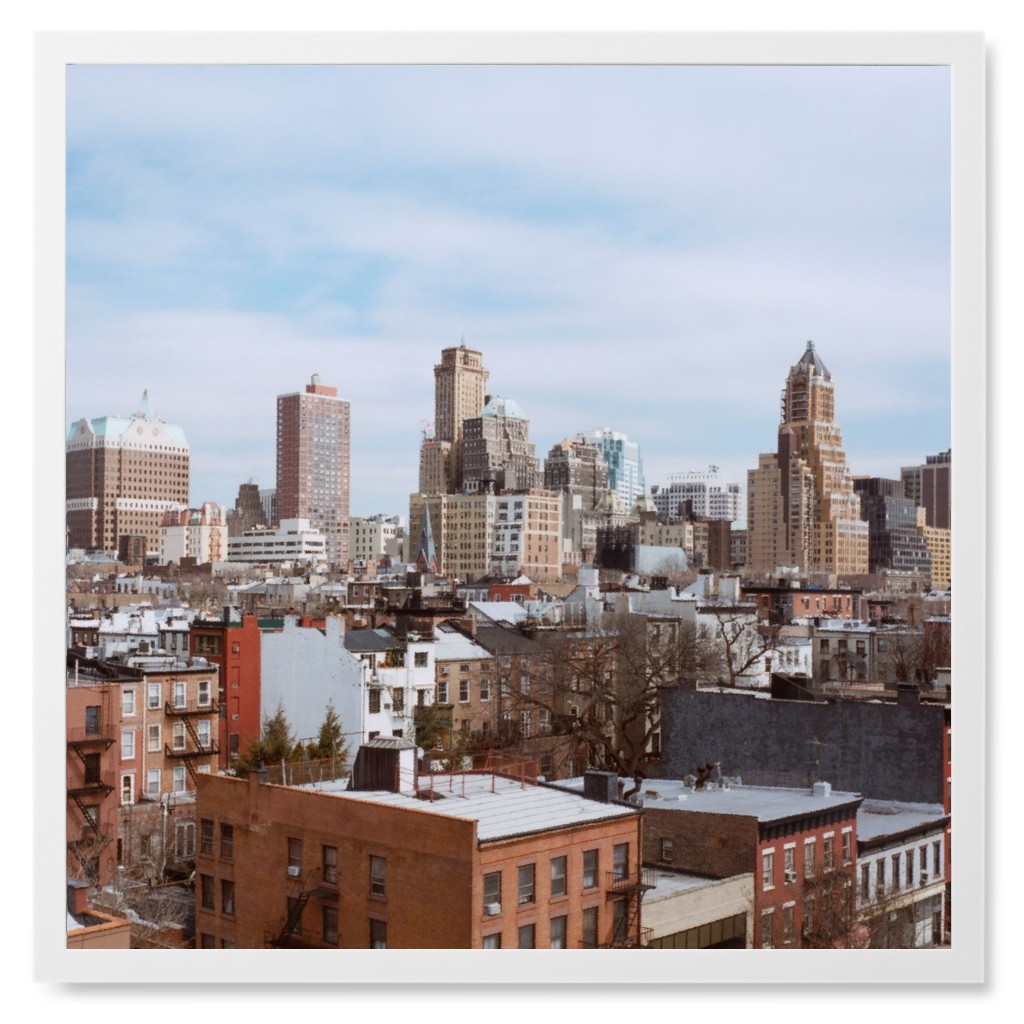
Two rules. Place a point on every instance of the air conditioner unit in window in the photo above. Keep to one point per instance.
(491, 909)
(790, 876)
(925, 877)
(294, 870)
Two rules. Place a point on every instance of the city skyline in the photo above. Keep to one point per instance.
(616, 241)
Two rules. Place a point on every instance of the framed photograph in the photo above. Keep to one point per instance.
(640, 241)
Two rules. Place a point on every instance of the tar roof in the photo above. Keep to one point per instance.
(371, 640)
(502, 808)
(878, 818)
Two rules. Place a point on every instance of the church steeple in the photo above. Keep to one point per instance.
(426, 559)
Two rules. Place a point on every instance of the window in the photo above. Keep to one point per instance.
(227, 841)
(590, 928)
(527, 889)
(184, 839)
(378, 876)
(809, 845)
(294, 856)
(92, 768)
(589, 869)
(179, 693)
(847, 845)
(558, 927)
(206, 892)
(524, 684)
(330, 925)
(666, 849)
(787, 923)
(398, 701)
(329, 864)
(937, 859)
(178, 736)
(127, 789)
(767, 928)
(789, 863)
(204, 693)
(153, 739)
(895, 871)
(227, 896)
(492, 941)
(206, 942)
(128, 745)
(203, 732)
(558, 886)
(808, 926)
(178, 779)
(419, 659)
(127, 703)
(463, 691)
(374, 701)
(827, 850)
(865, 882)
(206, 836)
(524, 724)
(92, 721)
(485, 689)
(492, 893)
(226, 944)
(767, 869)
(527, 936)
(545, 721)
(908, 859)
(620, 923)
(620, 861)
(153, 783)
(442, 692)
(294, 915)
(378, 934)
(880, 875)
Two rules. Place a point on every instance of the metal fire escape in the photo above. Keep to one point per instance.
(87, 790)
(288, 932)
(190, 755)
(627, 890)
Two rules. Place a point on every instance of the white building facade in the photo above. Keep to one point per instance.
(294, 540)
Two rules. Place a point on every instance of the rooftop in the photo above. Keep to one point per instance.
(879, 818)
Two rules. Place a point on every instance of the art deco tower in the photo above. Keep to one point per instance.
(802, 508)
(314, 463)
(460, 393)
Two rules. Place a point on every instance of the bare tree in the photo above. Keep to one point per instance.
(744, 645)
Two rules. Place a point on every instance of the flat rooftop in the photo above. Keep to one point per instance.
(879, 818)
(501, 807)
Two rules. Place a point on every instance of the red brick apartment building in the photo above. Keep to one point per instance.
(462, 861)
(801, 845)
(233, 645)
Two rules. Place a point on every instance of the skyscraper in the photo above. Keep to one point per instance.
(801, 506)
(460, 392)
(497, 453)
(625, 467)
(123, 474)
(929, 487)
(314, 463)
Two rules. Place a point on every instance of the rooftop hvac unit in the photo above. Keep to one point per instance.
(294, 870)
(491, 909)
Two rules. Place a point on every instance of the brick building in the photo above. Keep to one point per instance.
(463, 861)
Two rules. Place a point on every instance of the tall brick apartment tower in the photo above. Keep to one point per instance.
(123, 474)
(801, 506)
(460, 393)
(314, 463)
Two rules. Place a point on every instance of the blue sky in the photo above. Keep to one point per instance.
(642, 248)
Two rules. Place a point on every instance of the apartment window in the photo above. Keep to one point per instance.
(226, 944)
(524, 724)
(374, 706)
(787, 923)
(330, 926)
(128, 745)
(378, 876)
(789, 863)
(767, 869)
(294, 914)
(485, 689)
(666, 849)
(294, 856)
(558, 876)
(937, 859)
(204, 693)
(207, 942)
(767, 928)
(178, 779)
(153, 696)
(527, 887)
(206, 892)
(558, 929)
(153, 783)
(179, 693)
(590, 928)
(527, 936)
(227, 896)
(908, 859)
(463, 691)
(419, 659)
(492, 941)
(227, 841)
(92, 721)
(923, 863)
(880, 875)
(127, 703)
(206, 836)
(178, 736)
(896, 872)
(865, 882)
(203, 732)
(620, 861)
(329, 864)
(589, 869)
(153, 739)
(492, 893)
(524, 684)
(620, 923)
(809, 845)
(378, 934)
(827, 850)
(847, 845)
(442, 692)
(544, 716)
(398, 702)
(127, 789)
(808, 926)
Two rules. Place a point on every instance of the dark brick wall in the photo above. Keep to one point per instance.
(890, 751)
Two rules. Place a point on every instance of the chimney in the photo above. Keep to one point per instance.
(822, 789)
(78, 897)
